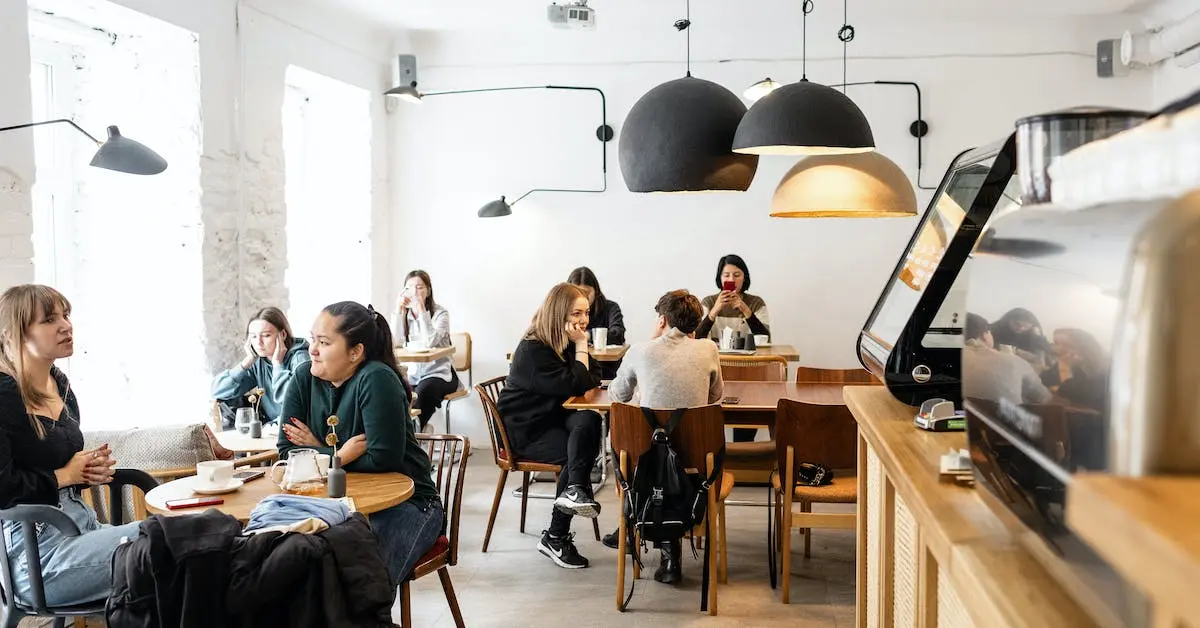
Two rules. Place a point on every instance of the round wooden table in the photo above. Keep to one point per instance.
(371, 492)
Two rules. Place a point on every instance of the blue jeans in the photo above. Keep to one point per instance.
(75, 569)
(405, 533)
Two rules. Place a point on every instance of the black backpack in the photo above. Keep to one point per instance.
(664, 502)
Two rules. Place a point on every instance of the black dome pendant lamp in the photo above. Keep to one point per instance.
(678, 137)
(804, 118)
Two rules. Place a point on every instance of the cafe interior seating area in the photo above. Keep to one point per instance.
(823, 313)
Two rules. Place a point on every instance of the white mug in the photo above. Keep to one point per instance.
(323, 464)
(600, 337)
(761, 340)
(214, 473)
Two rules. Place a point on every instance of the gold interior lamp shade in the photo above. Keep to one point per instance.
(856, 185)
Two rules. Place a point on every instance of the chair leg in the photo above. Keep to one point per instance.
(806, 506)
(451, 599)
(712, 554)
(724, 556)
(596, 527)
(495, 507)
(448, 418)
(785, 531)
(406, 605)
(621, 547)
(524, 498)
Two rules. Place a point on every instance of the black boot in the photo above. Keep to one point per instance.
(670, 566)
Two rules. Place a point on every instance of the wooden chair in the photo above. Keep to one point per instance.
(698, 439)
(489, 395)
(821, 434)
(449, 455)
(754, 455)
(462, 362)
(812, 375)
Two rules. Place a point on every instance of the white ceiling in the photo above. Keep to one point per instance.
(531, 14)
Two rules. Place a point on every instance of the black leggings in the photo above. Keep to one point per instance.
(575, 445)
(430, 392)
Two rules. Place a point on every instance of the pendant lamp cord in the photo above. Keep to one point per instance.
(682, 25)
(845, 35)
(805, 9)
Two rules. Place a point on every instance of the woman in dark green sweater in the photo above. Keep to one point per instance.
(354, 376)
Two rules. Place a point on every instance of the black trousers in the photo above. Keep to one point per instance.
(575, 445)
(744, 434)
(430, 392)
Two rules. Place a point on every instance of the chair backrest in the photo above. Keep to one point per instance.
(765, 368)
(822, 434)
(462, 350)
(812, 375)
(701, 432)
(449, 452)
(489, 395)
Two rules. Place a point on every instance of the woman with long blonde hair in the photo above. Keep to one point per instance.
(549, 366)
(42, 460)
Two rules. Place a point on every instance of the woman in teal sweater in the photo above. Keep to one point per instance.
(354, 376)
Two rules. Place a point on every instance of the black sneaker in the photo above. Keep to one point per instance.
(612, 540)
(576, 500)
(562, 551)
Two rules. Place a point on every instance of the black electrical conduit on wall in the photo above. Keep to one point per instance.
(918, 129)
(604, 133)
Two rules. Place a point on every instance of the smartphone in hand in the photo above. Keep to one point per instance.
(728, 286)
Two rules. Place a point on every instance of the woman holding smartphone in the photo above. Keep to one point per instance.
(422, 323)
(271, 357)
(354, 377)
(733, 307)
(549, 366)
(42, 460)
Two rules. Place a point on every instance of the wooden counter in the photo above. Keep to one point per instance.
(1162, 515)
(932, 553)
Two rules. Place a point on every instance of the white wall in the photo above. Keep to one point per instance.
(819, 277)
(242, 82)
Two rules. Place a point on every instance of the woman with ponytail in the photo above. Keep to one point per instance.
(353, 376)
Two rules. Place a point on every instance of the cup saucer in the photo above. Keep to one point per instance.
(233, 485)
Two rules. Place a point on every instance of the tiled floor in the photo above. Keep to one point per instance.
(512, 584)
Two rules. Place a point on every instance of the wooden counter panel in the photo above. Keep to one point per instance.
(911, 458)
(1148, 529)
(981, 566)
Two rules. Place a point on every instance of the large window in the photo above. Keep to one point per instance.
(327, 153)
(125, 249)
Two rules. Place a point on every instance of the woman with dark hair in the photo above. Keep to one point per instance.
(1082, 374)
(272, 354)
(602, 312)
(42, 459)
(733, 307)
(353, 376)
(424, 324)
(1020, 329)
(549, 366)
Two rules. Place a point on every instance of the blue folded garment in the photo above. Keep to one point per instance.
(285, 509)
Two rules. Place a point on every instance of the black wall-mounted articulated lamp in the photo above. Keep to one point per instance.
(501, 207)
(116, 153)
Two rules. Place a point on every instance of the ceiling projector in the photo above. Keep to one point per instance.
(577, 15)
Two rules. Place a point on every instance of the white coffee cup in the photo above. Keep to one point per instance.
(214, 473)
(600, 337)
(761, 340)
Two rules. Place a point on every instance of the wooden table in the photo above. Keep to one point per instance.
(787, 352)
(240, 443)
(760, 397)
(1147, 529)
(371, 492)
(611, 353)
(404, 355)
(933, 553)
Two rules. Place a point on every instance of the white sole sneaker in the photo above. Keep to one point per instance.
(545, 550)
(566, 506)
